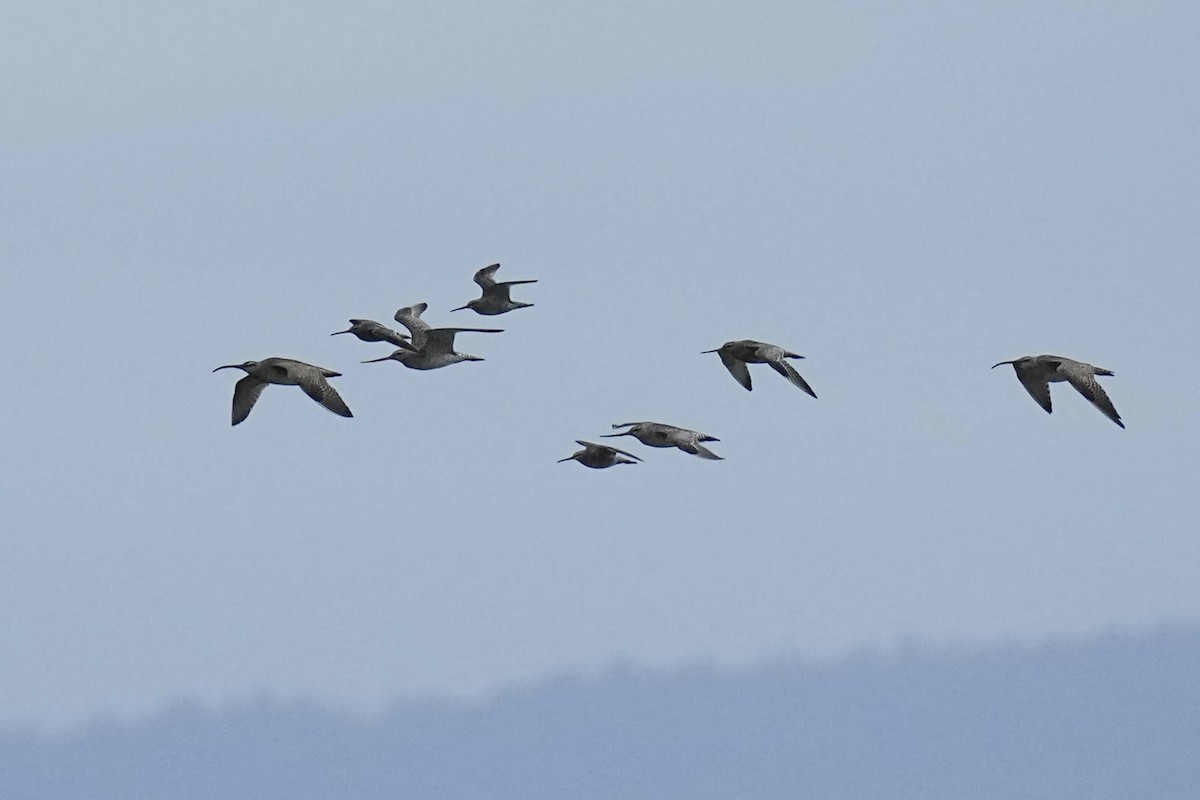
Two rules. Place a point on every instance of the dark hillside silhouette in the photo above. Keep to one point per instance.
(1112, 718)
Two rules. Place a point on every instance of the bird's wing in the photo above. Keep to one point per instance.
(697, 449)
(245, 395)
(737, 368)
(316, 387)
(486, 276)
(399, 340)
(410, 317)
(595, 446)
(498, 291)
(442, 339)
(374, 330)
(386, 334)
(788, 371)
(667, 434)
(1085, 383)
(439, 340)
(1034, 381)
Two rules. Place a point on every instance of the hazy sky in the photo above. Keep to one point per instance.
(905, 196)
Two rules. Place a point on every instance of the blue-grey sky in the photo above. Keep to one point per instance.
(903, 195)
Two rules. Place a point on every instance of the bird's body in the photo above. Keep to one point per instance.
(368, 330)
(660, 434)
(600, 456)
(495, 298)
(1036, 373)
(737, 354)
(286, 372)
(431, 348)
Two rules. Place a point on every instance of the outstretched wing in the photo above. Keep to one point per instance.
(245, 395)
(788, 371)
(487, 276)
(697, 449)
(316, 387)
(399, 340)
(382, 333)
(737, 368)
(1036, 384)
(410, 317)
(595, 446)
(441, 340)
(1085, 383)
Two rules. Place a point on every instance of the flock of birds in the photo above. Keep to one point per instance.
(425, 347)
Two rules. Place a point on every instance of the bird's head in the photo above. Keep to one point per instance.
(355, 324)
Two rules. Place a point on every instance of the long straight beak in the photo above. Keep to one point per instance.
(373, 360)
(463, 308)
(711, 351)
(568, 458)
(348, 330)
(611, 435)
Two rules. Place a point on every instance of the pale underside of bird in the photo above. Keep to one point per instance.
(736, 355)
(286, 372)
(660, 434)
(1036, 373)
(495, 298)
(431, 348)
(600, 456)
(368, 330)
